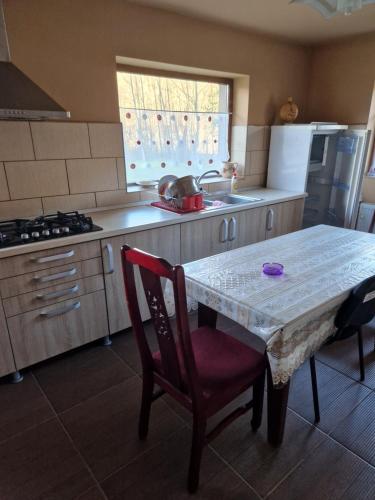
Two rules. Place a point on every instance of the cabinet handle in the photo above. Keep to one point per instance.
(57, 276)
(110, 263)
(270, 216)
(224, 231)
(58, 293)
(51, 258)
(232, 229)
(61, 310)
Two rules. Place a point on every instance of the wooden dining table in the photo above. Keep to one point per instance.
(292, 313)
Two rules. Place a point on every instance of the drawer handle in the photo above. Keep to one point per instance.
(57, 276)
(52, 258)
(110, 262)
(58, 293)
(224, 231)
(232, 229)
(61, 310)
(270, 215)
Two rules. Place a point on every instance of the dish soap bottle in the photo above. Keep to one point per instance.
(234, 183)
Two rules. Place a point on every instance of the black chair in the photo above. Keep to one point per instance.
(356, 311)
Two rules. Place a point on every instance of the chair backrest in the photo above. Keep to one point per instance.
(152, 269)
(357, 310)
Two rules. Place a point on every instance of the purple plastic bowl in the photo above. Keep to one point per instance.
(273, 268)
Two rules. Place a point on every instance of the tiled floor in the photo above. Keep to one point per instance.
(69, 431)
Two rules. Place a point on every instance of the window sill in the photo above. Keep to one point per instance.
(134, 188)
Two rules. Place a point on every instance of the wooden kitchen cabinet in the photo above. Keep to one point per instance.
(250, 227)
(284, 218)
(163, 242)
(6, 355)
(203, 237)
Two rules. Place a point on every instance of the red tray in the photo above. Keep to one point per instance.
(165, 206)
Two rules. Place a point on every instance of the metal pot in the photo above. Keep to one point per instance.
(184, 186)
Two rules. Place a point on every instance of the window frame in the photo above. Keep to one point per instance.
(141, 70)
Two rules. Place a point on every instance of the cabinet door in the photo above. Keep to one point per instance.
(283, 218)
(163, 242)
(6, 355)
(247, 227)
(204, 237)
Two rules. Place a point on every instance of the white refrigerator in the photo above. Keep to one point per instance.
(327, 161)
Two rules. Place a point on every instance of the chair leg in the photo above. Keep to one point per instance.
(360, 352)
(199, 435)
(147, 391)
(258, 396)
(314, 386)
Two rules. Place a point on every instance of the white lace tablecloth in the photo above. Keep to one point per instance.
(292, 313)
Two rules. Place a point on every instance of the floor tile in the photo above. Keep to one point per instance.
(105, 428)
(343, 356)
(161, 473)
(338, 394)
(41, 463)
(23, 405)
(357, 430)
(325, 474)
(92, 494)
(260, 464)
(363, 488)
(80, 375)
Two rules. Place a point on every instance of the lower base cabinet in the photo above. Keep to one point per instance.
(46, 332)
(6, 355)
(163, 242)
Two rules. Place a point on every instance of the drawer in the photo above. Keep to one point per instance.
(51, 295)
(21, 264)
(46, 332)
(48, 277)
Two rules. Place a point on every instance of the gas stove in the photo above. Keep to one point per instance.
(46, 227)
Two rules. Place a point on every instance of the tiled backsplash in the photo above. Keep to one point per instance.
(250, 146)
(49, 166)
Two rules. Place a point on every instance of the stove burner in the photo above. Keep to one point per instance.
(45, 227)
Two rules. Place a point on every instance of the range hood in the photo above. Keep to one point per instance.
(20, 97)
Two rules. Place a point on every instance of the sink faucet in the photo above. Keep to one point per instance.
(204, 175)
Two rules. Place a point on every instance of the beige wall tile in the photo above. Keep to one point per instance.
(4, 193)
(15, 141)
(121, 174)
(20, 208)
(60, 140)
(149, 195)
(106, 139)
(69, 203)
(239, 137)
(219, 186)
(32, 179)
(119, 197)
(253, 180)
(255, 138)
(86, 176)
(267, 137)
(256, 162)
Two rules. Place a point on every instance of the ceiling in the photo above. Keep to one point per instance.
(297, 22)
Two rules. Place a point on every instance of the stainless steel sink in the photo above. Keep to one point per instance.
(227, 199)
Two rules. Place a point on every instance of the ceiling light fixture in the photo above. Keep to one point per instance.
(329, 8)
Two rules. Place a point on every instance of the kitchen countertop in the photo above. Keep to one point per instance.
(125, 220)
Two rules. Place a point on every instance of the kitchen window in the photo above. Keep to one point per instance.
(176, 124)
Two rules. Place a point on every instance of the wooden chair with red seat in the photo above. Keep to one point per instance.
(204, 370)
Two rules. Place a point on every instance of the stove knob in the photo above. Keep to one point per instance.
(65, 229)
(46, 232)
(56, 230)
(35, 234)
(25, 236)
